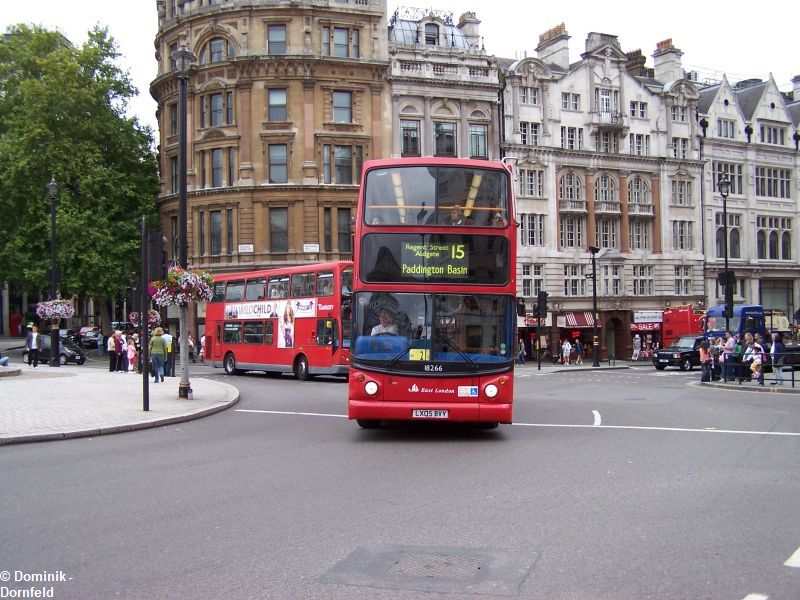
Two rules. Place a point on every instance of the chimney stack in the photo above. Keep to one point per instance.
(667, 62)
(796, 88)
(553, 47)
(469, 25)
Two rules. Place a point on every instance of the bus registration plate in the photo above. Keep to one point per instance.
(426, 413)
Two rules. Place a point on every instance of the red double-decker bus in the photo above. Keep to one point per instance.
(434, 292)
(276, 320)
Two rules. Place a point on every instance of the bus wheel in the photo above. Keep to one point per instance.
(368, 423)
(230, 364)
(489, 425)
(301, 368)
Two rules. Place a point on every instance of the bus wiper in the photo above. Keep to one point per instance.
(455, 347)
(397, 357)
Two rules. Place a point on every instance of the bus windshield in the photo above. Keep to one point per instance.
(436, 196)
(457, 332)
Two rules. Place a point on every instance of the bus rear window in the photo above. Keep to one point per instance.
(435, 258)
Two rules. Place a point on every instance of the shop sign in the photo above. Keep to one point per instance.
(648, 316)
(645, 326)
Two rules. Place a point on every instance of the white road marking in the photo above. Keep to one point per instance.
(576, 426)
(598, 420)
(756, 597)
(794, 560)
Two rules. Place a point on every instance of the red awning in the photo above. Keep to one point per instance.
(579, 319)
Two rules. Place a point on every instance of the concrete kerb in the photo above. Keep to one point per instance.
(735, 386)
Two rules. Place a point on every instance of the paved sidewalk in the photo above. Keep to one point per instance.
(50, 403)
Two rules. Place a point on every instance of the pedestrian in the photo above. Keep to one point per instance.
(190, 342)
(521, 353)
(706, 362)
(578, 353)
(566, 350)
(112, 355)
(158, 350)
(119, 348)
(131, 352)
(169, 358)
(3, 360)
(777, 354)
(34, 344)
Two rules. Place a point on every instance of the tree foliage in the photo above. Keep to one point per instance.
(62, 114)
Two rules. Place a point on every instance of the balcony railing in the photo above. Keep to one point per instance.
(640, 209)
(607, 207)
(608, 119)
(572, 206)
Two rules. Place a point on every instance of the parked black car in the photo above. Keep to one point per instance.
(683, 352)
(89, 338)
(67, 352)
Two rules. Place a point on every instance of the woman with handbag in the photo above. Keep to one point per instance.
(706, 362)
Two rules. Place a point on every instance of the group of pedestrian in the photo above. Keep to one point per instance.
(123, 352)
(734, 359)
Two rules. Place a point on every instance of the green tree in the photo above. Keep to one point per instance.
(62, 114)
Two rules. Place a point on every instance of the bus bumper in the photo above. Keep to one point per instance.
(404, 411)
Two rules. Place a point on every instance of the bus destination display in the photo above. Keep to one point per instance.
(437, 260)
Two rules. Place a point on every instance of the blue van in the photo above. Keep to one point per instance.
(745, 319)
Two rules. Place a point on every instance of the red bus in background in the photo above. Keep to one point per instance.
(288, 319)
(434, 316)
(679, 321)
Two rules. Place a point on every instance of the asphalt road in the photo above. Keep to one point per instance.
(611, 485)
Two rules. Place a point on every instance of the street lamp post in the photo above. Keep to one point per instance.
(183, 59)
(724, 187)
(52, 194)
(595, 342)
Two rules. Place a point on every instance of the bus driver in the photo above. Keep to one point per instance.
(386, 325)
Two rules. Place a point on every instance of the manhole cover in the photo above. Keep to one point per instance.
(480, 571)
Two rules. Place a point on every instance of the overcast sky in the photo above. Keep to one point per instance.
(714, 37)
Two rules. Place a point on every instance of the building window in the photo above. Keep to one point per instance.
(278, 229)
(774, 238)
(605, 231)
(571, 233)
(529, 133)
(478, 135)
(726, 129)
(343, 230)
(607, 142)
(276, 40)
(680, 147)
(173, 224)
(343, 164)
(431, 34)
(346, 43)
(639, 234)
(773, 135)
(611, 280)
(528, 95)
(532, 230)
(217, 166)
(278, 166)
(276, 104)
(173, 171)
(574, 280)
(773, 183)
(683, 281)
(570, 101)
(639, 144)
(570, 187)
(231, 166)
(342, 107)
(173, 119)
(444, 139)
(642, 280)
(216, 109)
(531, 183)
(638, 193)
(532, 280)
(572, 138)
(229, 229)
(347, 163)
(216, 50)
(216, 232)
(681, 192)
(734, 235)
(733, 172)
(638, 109)
(605, 190)
(327, 176)
(682, 235)
(410, 134)
(326, 230)
(679, 114)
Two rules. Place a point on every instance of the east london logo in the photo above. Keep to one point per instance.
(414, 389)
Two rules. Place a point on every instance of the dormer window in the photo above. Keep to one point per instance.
(431, 34)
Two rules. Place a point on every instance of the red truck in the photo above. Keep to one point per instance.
(682, 320)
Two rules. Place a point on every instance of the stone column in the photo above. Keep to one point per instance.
(590, 217)
(463, 125)
(427, 129)
(623, 204)
(397, 140)
(246, 128)
(310, 172)
(655, 185)
(376, 90)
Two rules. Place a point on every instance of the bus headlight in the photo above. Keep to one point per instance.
(371, 388)
(490, 390)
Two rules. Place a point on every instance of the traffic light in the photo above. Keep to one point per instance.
(157, 256)
(542, 299)
(729, 301)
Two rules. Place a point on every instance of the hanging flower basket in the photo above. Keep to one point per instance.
(181, 287)
(153, 318)
(55, 309)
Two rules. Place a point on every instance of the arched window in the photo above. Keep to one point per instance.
(570, 186)
(216, 50)
(638, 193)
(735, 247)
(605, 190)
(720, 239)
(431, 34)
(761, 244)
(786, 246)
(773, 245)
